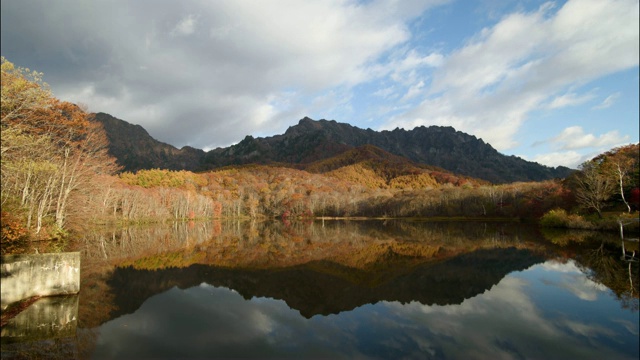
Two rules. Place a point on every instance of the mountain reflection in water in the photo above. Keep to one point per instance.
(359, 289)
(318, 289)
(507, 321)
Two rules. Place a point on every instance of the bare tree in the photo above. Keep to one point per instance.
(594, 187)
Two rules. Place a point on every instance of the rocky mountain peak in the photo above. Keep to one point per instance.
(313, 140)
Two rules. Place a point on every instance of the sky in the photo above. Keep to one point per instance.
(552, 82)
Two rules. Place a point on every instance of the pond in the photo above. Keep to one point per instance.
(347, 289)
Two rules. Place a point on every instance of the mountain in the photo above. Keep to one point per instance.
(316, 145)
(444, 147)
(135, 149)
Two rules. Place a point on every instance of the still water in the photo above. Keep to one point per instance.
(368, 289)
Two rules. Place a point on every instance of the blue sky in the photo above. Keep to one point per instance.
(554, 82)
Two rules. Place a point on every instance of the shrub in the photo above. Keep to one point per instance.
(561, 219)
(14, 234)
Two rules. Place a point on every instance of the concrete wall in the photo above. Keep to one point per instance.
(24, 276)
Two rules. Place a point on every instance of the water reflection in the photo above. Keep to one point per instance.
(523, 317)
(47, 318)
(272, 244)
(46, 329)
(324, 287)
(372, 289)
(520, 317)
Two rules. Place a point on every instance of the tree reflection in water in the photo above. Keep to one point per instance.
(603, 265)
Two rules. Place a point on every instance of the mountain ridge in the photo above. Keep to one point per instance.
(311, 140)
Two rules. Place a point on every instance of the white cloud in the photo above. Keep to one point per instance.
(385, 92)
(569, 99)
(186, 26)
(412, 60)
(574, 137)
(610, 100)
(334, 42)
(413, 91)
(569, 159)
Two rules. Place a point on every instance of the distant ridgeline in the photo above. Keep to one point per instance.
(310, 141)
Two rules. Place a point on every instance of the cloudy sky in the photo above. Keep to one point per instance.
(554, 82)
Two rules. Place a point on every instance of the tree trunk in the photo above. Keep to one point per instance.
(620, 175)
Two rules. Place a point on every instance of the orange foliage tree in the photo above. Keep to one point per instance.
(50, 150)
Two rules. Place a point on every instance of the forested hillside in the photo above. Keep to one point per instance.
(374, 168)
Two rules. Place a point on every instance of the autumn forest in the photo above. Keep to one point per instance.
(58, 179)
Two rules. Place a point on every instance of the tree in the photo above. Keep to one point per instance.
(621, 163)
(612, 172)
(594, 187)
(25, 97)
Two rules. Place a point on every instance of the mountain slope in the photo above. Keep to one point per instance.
(135, 149)
(375, 168)
(443, 147)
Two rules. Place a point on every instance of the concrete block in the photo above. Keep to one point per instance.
(24, 276)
